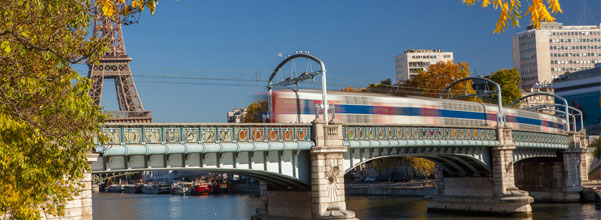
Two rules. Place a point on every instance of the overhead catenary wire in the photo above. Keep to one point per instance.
(252, 76)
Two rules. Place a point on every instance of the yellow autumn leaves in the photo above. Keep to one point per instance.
(124, 7)
(538, 10)
(510, 11)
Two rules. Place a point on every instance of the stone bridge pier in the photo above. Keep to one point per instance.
(556, 179)
(494, 193)
(325, 199)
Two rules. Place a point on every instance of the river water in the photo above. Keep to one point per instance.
(109, 206)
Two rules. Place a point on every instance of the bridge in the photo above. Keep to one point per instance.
(301, 166)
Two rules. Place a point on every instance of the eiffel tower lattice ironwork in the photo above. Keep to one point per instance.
(114, 64)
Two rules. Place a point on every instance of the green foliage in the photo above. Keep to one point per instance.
(48, 123)
(255, 111)
(382, 87)
(509, 80)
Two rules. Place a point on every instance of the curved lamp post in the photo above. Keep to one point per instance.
(500, 114)
(296, 80)
(549, 94)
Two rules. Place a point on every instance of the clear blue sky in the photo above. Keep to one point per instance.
(357, 40)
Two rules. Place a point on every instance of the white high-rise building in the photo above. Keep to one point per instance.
(412, 61)
(541, 55)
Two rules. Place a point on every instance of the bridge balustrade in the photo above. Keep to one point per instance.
(539, 139)
(204, 133)
(411, 135)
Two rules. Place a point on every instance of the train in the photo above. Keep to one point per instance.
(298, 106)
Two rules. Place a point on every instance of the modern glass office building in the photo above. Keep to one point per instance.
(582, 89)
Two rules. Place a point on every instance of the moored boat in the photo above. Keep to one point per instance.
(156, 188)
(115, 188)
(132, 188)
(182, 188)
(221, 188)
(201, 188)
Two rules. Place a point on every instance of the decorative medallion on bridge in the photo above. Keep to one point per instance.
(350, 134)
(288, 134)
(370, 133)
(399, 133)
(257, 134)
(132, 135)
(113, 135)
(225, 134)
(361, 132)
(272, 134)
(242, 134)
(389, 132)
(114, 64)
(415, 132)
(171, 135)
(190, 135)
(208, 134)
(380, 132)
(301, 133)
(153, 135)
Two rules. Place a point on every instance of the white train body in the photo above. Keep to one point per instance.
(299, 107)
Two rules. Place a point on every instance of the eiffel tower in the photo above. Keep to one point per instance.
(114, 65)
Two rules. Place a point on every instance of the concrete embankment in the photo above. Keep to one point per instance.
(389, 189)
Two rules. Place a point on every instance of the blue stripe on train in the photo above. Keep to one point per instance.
(413, 111)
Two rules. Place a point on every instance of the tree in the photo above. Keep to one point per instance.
(511, 11)
(48, 123)
(382, 87)
(423, 166)
(438, 76)
(509, 80)
(351, 89)
(255, 111)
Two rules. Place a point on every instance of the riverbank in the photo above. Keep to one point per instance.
(390, 189)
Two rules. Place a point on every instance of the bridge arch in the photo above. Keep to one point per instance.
(527, 154)
(452, 165)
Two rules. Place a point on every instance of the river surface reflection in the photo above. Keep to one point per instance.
(138, 206)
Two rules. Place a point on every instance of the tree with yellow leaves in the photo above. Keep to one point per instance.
(423, 166)
(48, 123)
(438, 76)
(255, 112)
(511, 11)
(351, 89)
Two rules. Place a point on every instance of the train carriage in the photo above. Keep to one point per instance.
(298, 106)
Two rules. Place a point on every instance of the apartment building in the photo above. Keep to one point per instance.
(541, 55)
(412, 61)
